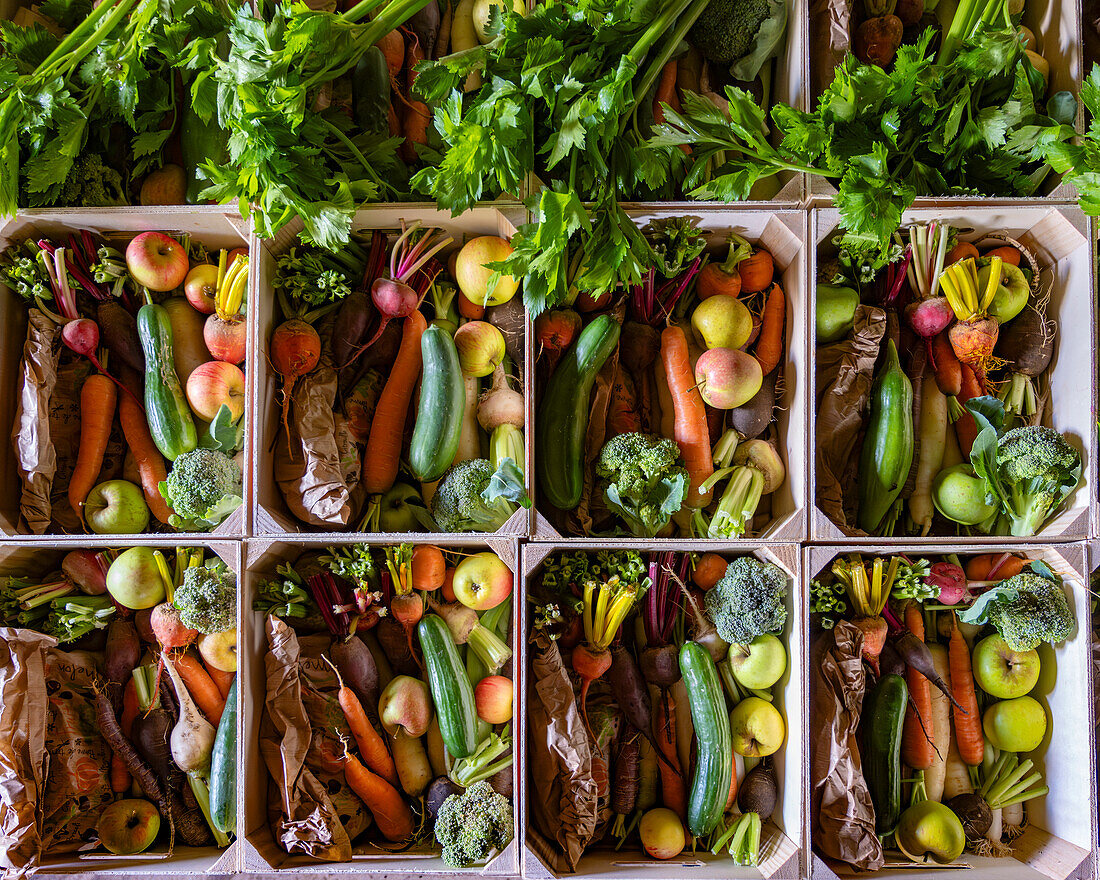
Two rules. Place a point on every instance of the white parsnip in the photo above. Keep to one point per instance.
(957, 775)
(933, 439)
(413, 768)
(934, 776)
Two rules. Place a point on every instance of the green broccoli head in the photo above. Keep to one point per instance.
(473, 824)
(1038, 468)
(472, 497)
(203, 488)
(646, 480)
(92, 184)
(207, 598)
(748, 601)
(1029, 609)
(726, 29)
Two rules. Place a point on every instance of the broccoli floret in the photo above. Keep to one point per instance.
(1037, 469)
(726, 30)
(207, 598)
(203, 488)
(92, 184)
(748, 601)
(471, 497)
(1026, 610)
(646, 480)
(473, 824)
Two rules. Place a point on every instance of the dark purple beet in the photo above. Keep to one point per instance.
(118, 331)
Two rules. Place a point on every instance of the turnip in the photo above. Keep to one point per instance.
(192, 738)
(500, 405)
(726, 377)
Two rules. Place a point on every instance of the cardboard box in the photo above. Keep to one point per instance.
(1061, 239)
(1059, 840)
(39, 557)
(784, 234)
(781, 846)
(271, 516)
(213, 227)
(260, 854)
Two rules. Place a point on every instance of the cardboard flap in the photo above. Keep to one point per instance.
(507, 549)
(251, 862)
(229, 861)
(1051, 856)
(779, 855)
(543, 530)
(820, 870)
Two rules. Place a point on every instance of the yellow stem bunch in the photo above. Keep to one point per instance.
(960, 285)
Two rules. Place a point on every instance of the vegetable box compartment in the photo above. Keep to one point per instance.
(1060, 239)
(36, 559)
(1059, 833)
(261, 798)
(325, 486)
(44, 451)
(779, 516)
(781, 846)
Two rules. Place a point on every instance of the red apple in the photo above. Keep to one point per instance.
(233, 254)
(200, 286)
(165, 186)
(493, 699)
(482, 581)
(128, 826)
(211, 385)
(225, 340)
(157, 261)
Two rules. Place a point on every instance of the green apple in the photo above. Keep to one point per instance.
(482, 581)
(128, 826)
(759, 664)
(1017, 725)
(722, 322)
(758, 727)
(930, 829)
(834, 311)
(959, 494)
(1012, 293)
(116, 507)
(134, 580)
(1002, 672)
(396, 514)
(481, 27)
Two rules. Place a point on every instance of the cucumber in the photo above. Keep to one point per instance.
(563, 413)
(451, 691)
(439, 414)
(885, 711)
(888, 444)
(166, 408)
(223, 767)
(710, 784)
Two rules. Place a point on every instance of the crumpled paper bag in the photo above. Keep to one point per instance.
(841, 811)
(35, 458)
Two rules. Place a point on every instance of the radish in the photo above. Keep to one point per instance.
(929, 316)
(295, 351)
(393, 296)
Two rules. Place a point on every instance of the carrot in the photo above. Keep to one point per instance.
(690, 418)
(149, 461)
(449, 585)
(470, 310)
(370, 743)
(624, 787)
(97, 414)
(673, 791)
(916, 747)
(223, 680)
(1007, 253)
(966, 429)
(418, 117)
(769, 345)
(732, 799)
(968, 724)
(993, 566)
(962, 251)
(393, 49)
(381, 458)
(429, 568)
(391, 813)
(120, 776)
(756, 271)
(666, 94)
(200, 686)
(948, 372)
(708, 571)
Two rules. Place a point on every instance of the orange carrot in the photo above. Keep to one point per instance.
(97, 413)
(470, 310)
(371, 746)
(429, 568)
(916, 742)
(691, 432)
(200, 686)
(382, 456)
(769, 345)
(966, 429)
(709, 570)
(391, 814)
(756, 271)
(223, 680)
(418, 117)
(961, 251)
(673, 792)
(1007, 253)
(666, 92)
(968, 725)
(149, 461)
(732, 799)
(993, 566)
(120, 776)
(449, 585)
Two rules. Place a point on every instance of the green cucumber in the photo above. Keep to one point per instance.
(442, 402)
(888, 444)
(563, 413)
(885, 711)
(451, 691)
(223, 767)
(710, 784)
(166, 408)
